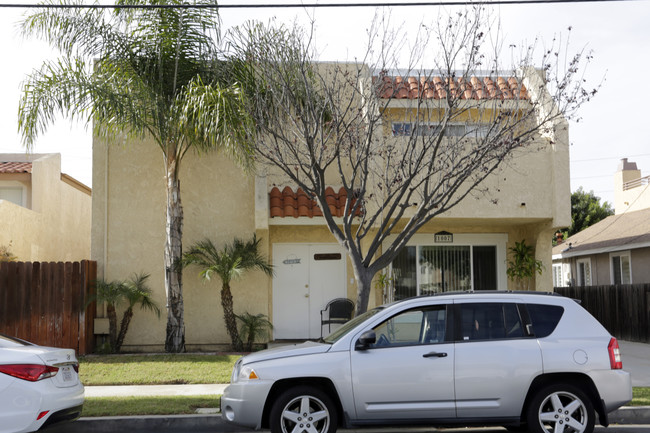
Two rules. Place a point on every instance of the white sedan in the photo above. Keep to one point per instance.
(39, 386)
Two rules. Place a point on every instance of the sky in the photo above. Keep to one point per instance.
(617, 33)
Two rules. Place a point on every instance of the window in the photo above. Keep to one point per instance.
(544, 318)
(490, 321)
(557, 275)
(621, 269)
(413, 327)
(13, 194)
(470, 130)
(584, 272)
(430, 269)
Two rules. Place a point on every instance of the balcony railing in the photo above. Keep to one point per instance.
(636, 182)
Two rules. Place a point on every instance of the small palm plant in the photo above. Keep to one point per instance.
(113, 293)
(253, 327)
(523, 266)
(228, 263)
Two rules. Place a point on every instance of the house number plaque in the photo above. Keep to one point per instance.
(443, 238)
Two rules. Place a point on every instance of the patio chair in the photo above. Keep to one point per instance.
(338, 310)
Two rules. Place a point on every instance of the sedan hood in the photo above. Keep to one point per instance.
(306, 348)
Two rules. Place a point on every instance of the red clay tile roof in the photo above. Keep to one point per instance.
(436, 88)
(15, 167)
(297, 204)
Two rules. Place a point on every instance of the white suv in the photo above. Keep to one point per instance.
(479, 358)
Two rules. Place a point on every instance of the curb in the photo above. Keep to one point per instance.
(214, 423)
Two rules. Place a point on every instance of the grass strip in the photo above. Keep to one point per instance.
(640, 397)
(155, 369)
(154, 405)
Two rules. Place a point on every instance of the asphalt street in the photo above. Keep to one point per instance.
(78, 427)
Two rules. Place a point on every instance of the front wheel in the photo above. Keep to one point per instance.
(560, 409)
(303, 409)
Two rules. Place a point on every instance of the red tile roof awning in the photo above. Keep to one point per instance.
(15, 167)
(476, 88)
(287, 203)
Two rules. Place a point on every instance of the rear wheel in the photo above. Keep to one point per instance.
(560, 409)
(303, 409)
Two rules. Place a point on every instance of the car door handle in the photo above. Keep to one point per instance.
(435, 355)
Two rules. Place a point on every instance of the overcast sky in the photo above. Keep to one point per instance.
(611, 128)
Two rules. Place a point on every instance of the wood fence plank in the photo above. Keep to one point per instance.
(623, 310)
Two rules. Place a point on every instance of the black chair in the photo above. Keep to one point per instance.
(339, 310)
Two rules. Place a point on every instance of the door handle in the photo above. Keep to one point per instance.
(435, 355)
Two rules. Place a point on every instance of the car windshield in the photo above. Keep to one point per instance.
(348, 326)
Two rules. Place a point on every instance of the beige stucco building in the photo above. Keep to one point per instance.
(528, 200)
(45, 214)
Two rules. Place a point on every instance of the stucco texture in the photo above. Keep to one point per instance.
(55, 225)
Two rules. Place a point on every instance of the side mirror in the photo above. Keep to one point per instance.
(366, 339)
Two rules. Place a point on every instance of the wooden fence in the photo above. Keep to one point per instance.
(44, 303)
(623, 310)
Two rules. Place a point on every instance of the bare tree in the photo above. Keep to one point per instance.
(406, 145)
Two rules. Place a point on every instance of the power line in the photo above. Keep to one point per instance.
(298, 5)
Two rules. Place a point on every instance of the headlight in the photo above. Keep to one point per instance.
(243, 373)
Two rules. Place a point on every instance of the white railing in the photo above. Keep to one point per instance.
(636, 182)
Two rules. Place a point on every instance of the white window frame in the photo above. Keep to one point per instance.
(587, 263)
(13, 185)
(558, 281)
(620, 254)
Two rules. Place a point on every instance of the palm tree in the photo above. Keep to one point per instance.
(142, 72)
(229, 263)
(113, 293)
(136, 292)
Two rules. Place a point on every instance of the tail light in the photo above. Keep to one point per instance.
(76, 367)
(614, 354)
(30, 372)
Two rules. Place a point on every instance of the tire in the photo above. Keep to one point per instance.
(305, 407)
(560, 409)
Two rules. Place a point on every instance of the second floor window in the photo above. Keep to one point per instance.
(469, 130)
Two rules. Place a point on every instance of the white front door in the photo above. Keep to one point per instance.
(307, 277)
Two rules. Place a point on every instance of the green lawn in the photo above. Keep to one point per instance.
(640, 397)
(167, 405)
(155, 369)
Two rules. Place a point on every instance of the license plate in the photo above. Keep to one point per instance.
(67, 374)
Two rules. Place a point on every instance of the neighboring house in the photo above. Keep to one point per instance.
(45, 214)
(529, 200)
(615, 250)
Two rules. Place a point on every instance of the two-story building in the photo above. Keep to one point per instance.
(466, 248)
(44, 214)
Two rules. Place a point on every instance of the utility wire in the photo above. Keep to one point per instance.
(297, 5)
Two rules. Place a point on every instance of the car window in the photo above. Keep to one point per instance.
(490, 321)
(413, 327)
(544, 318)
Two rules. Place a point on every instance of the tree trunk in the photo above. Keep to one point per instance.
(364, 285)
(229, 317)
(175, 339)
(112, 326)
(124, 326)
